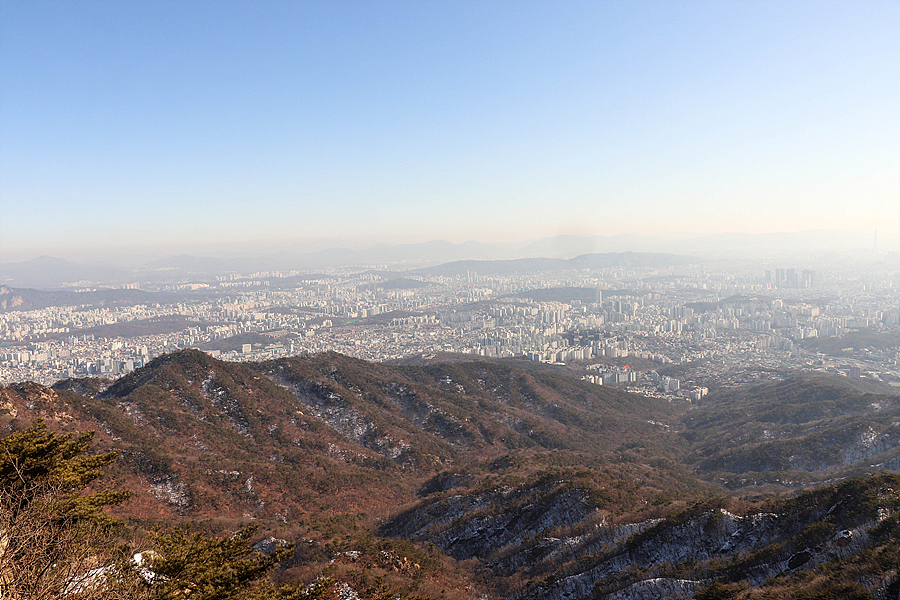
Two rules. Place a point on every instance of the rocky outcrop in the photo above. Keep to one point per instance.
(351, 423)
(551, 537)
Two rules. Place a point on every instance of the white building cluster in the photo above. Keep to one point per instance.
(655, 316)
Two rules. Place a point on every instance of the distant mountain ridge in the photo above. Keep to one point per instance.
(50, 273)
(30, 299)
(584, 261)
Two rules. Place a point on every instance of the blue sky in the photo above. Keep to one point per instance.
(148, 126)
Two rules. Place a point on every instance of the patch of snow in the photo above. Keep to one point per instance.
(168, 490)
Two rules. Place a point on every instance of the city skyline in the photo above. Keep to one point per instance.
(140, 128)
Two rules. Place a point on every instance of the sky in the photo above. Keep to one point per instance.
(202, 125)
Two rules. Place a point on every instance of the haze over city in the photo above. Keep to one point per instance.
(213, 128)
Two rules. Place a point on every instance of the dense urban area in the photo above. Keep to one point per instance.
(658, 331)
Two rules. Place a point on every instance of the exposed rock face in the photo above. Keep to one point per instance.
(167, 489)
(833, 449)
(331, 408)
(482, 531)
(659, 587)
(553, 538)
(429, 417)
(220, 397)
(628, 572)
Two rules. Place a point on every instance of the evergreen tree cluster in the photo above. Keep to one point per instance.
(56, 540)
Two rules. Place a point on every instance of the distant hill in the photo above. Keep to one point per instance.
(136, 328)
(494, 267)
(30, 299)
(854, 340)
(436, 251)
(563, 294)
(47, 272)
(192, 268)
(529, 265)
(632, 259)
(567, 246)
(588, 251)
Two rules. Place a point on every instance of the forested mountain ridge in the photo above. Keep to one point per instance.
(510, 482)
(808, 428)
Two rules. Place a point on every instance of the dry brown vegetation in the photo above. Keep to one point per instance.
(334, 453)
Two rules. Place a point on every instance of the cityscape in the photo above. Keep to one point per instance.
(672, 331)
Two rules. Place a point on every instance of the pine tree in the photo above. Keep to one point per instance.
(190, 564)
(55, 540)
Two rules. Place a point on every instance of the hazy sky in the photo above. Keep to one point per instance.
(162, 123)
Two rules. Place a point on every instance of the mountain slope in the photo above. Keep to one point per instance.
(836, 542)
(554, 539)
(533, 483)
(804, 429)
(186, 417)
